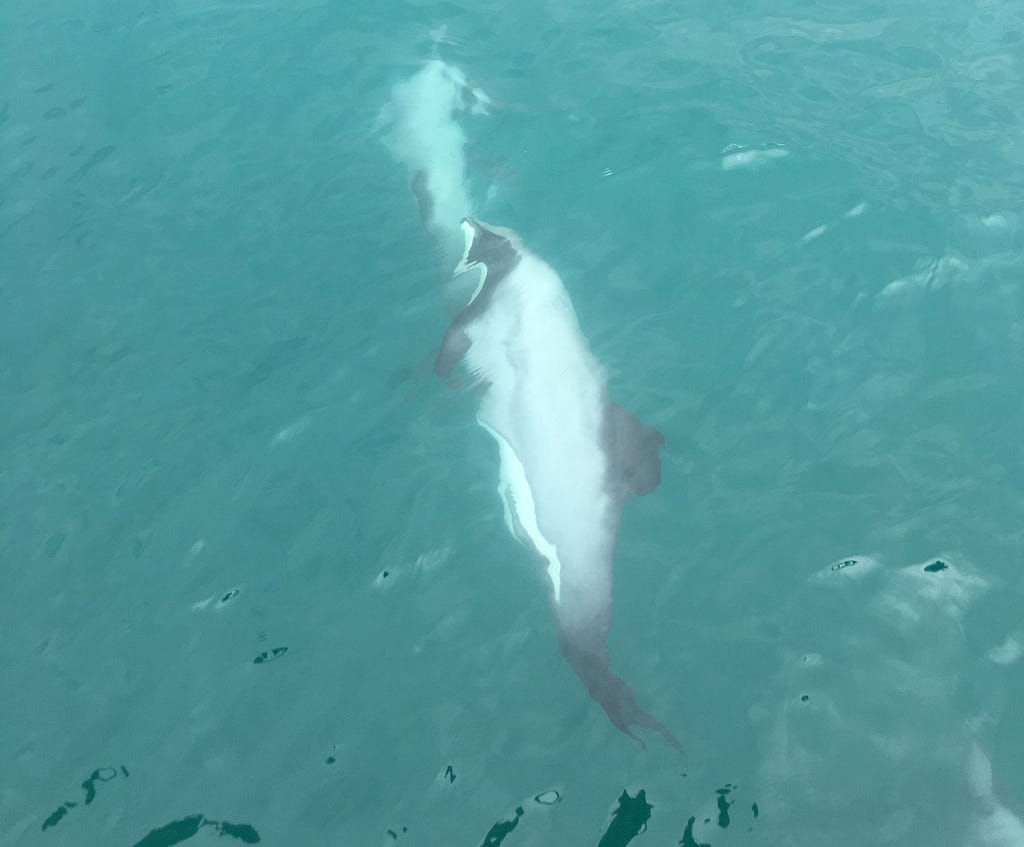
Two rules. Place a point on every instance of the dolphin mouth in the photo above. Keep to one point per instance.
(469, 233)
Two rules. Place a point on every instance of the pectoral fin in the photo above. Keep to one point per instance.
(633, 448)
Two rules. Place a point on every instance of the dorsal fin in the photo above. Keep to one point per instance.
(633, 450)
(494, 252)
(494, 249)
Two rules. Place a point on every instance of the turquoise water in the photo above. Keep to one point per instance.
(792, 233)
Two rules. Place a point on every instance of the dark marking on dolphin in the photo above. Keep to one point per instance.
(494, 252)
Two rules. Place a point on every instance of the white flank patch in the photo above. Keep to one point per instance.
(465, 265)
(995, 222)
(996, 826)
(194, 551)
(1008, 652)
(293, 429)
(817, 232)
(751, 158)
(517, 498)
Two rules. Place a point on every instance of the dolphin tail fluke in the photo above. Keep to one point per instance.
(611, 692)
(647, 720)
(619, 703)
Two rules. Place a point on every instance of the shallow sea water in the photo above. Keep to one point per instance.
(256, 578)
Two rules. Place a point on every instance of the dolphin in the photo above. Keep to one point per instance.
(569, 455)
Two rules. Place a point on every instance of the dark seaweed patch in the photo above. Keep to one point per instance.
(628, 820)
(497, 833)
(184, 828)
(270, 656)
(688, 840)
(56, 816)
(725, 818)
(228, 597)
(100, 775)
(723, 807)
